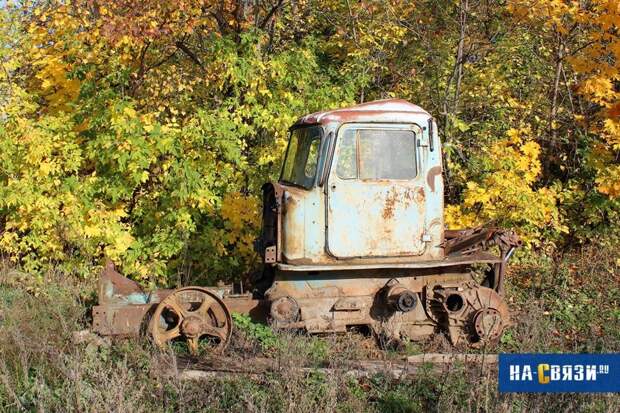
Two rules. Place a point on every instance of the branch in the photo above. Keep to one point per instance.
(273, 11)
(189, 53)
(141, 70)
(162, 61)
(580, 48)
(221, 22)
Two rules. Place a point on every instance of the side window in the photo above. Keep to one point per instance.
(383, 154)
(386, 154)
(347, 162)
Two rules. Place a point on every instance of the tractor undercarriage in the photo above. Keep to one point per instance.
(412, 301)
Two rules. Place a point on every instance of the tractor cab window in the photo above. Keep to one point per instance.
(373, 154)
(302, 156)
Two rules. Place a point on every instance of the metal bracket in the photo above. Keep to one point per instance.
(270, 255)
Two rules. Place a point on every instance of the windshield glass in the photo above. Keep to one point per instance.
(302, 157)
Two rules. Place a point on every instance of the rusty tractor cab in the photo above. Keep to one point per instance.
(353, 236)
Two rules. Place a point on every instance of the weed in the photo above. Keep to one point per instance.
(43, 369)
(263, 334)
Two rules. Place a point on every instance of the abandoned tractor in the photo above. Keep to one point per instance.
(352, 237)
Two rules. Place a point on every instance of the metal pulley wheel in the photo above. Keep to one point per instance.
(194, 315)
(488, 324)
(468, 311)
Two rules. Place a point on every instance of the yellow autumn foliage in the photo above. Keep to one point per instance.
(144, 134)
(241, 220)
(593, 26)
(507, 193)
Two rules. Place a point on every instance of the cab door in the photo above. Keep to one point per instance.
(375, 197)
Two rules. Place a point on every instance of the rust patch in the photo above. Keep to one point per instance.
(416, 195)
(420, 196)
(409, 195)
(430, 176)
(390, 204)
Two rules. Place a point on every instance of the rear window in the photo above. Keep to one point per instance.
(376, 154)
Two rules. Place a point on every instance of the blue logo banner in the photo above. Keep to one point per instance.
(559, 373)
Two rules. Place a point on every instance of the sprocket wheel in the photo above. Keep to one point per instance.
(193, 314)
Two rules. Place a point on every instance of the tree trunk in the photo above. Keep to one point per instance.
(559, 59)
(451, 100)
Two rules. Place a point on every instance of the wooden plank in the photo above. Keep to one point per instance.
(439, 358)
(219, 367)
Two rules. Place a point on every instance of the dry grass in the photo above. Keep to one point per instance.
(568, 304)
